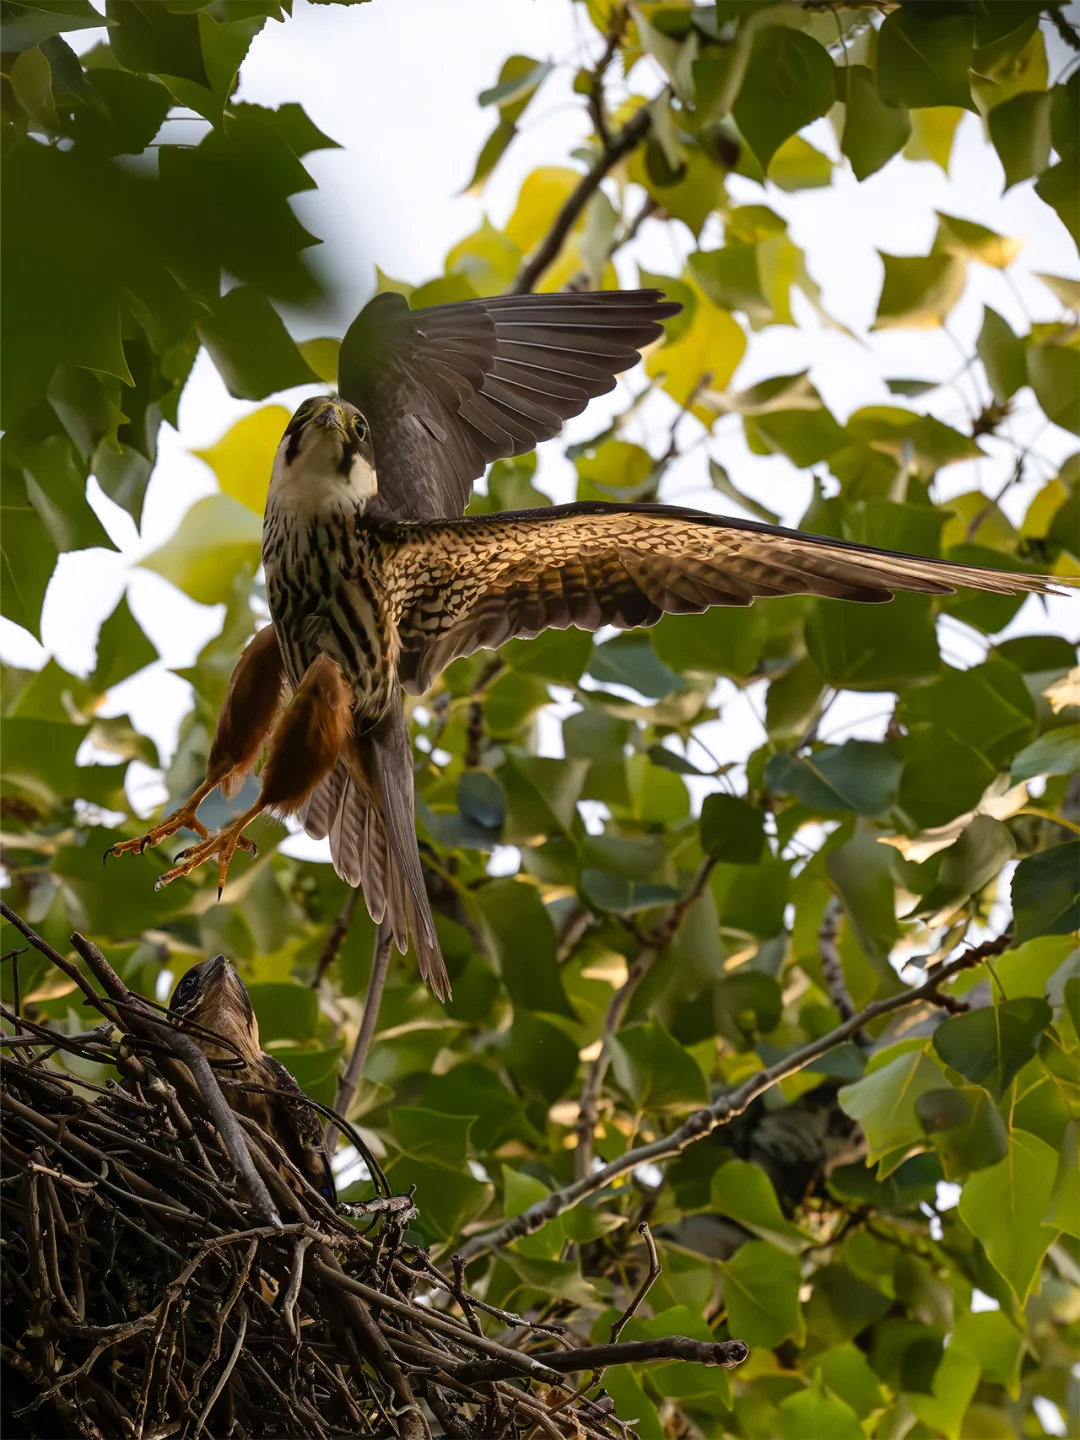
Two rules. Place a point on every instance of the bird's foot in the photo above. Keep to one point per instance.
(182, 819)
(223, 843)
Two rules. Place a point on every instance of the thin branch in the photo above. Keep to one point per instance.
(347, 1085)
(726, 1353)
(335, 937)
(617, 147)
(655, 942)
(832, 967)
(655, 1271)
(723, 1109)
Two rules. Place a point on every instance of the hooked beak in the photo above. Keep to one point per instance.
(332, 417)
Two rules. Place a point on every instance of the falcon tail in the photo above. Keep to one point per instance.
(366, 809)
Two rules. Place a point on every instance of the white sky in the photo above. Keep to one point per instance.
(396, 85)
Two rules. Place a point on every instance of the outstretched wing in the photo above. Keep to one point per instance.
(456, 586)
(447, 390)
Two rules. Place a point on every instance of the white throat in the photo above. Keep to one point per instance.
(313, 485)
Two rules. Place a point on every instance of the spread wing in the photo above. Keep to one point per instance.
(447, 390)
(456, 586)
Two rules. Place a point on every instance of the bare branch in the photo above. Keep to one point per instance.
(656, 941)
(545, 253)
(349, 1081)
(724, 1108)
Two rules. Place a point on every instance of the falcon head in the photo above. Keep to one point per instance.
(213, 995)
(325, 456)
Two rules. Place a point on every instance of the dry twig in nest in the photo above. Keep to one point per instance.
(167, 1273)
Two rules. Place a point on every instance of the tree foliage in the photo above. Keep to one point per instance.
(651, 956)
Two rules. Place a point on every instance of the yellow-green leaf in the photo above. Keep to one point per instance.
(217, 538)
(242, 459)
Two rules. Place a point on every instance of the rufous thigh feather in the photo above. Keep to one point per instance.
(252, 703)
(309, 737)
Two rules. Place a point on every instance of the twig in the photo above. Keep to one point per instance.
(224, 1376)
(347, 1085)
(545, 253)
(658, 939)
(335, 937)
(724, 1108)
(832, 967)
(655, 1271)
(726, 1353)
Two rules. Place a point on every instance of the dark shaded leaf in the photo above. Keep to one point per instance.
(1046, 893)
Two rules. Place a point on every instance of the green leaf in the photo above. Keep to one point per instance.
(1055, 753)
(861, 870)
(472, 1090)
(519, 78)
(1063, 1211)
(541, 793)
(244, 456)
(122, 649)
(1066, 290)
(885, 1102)
(428, 1135)
(1003, 355)
(847, 1373)
(521, 939)
(842, 1305)
(788, 82)
(967, 1131)
(621, 896)
(631, 660)
(1045, 896)
(721, 642)
(873, 647)
(56, 487)
(29, 558)
(952, 1389)
(819, 1413)
(971, 862)
(704, 356)
(217, 539)
(942, 778)
(152, 38)
(655, 1070)
(1058, 187)
(968, 240)
(874, 131)
(284, 1010)
(732, 830)
(722, 481)
(857, 776)
(932, 134)
(1020, 131)
(254, 353)
(761, 1290)
(991, 1339)
(542, 1058)
(919, 291)
(798, 166)
(745, 1193)
(1054, 371)
(923, 59)
(1001, 1206)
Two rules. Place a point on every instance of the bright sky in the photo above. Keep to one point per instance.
(396, 85)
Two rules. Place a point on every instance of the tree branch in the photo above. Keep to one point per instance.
(724, 1108)
(335, 937)
(832, 967)
(380, 965)
(657, 941)
(545, 253)
(727, 1353)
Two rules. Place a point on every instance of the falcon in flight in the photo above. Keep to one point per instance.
(376, 580)
(213, 996)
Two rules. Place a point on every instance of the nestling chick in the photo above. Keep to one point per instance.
(214, 997)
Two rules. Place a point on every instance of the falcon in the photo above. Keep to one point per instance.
(216, 999)
(376, 581)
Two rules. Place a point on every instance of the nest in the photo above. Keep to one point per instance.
(164, 1274)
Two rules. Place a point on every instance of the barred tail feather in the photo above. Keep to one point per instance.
(373, 845)
(393, 776)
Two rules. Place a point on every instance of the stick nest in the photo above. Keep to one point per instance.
(151, 1288)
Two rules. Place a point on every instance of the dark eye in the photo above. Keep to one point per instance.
(360, 427)
(185, 992)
